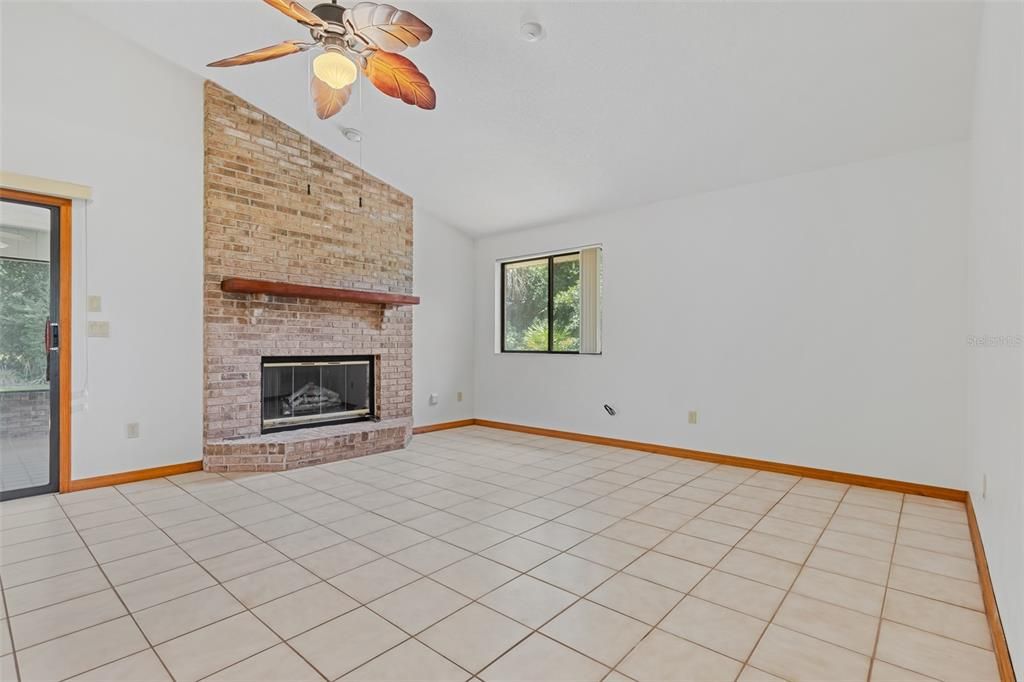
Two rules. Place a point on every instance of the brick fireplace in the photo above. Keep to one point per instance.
(279, 207)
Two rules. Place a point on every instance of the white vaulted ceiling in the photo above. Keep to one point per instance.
(622, 103)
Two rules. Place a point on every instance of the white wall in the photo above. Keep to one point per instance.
(443, 329)
(80, 104)
(995, 444)
(816, 319)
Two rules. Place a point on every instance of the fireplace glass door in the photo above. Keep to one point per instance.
(307, 392)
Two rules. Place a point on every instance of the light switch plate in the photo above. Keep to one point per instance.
(458, 396)
(99, 329)
(95, 304)
(131, 430)
(693, 416)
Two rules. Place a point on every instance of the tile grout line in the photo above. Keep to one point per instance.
(291, 510)
(120, 599)
(722, 495)
(689, 592)
(789, 590)
(244, 528)
(390, 520)
(247, 609)
(427, 576)
(715, 567)
(366, 605)
(545, 520)
(824, 528)
(357, 601)
(10, 630)
(472, 601)
(885, 597)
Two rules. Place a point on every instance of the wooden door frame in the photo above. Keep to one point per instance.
(64, 320)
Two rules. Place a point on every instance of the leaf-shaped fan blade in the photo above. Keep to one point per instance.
(327, 100)
(297, 12)
(386, 27)
(396, 76)
(263, 54)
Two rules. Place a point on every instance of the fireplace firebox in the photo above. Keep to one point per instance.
(301, 392)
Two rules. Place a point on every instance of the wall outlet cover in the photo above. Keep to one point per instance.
(99, 329)
(131, 430)
(458, 396)
(434, 398)
(693, 416)
(95, 304)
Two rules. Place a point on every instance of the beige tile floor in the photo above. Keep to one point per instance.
(494, 555)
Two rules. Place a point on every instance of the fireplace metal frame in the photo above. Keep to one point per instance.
(314, 360)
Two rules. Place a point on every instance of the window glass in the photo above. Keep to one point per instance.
(526, 305)
(566, 303)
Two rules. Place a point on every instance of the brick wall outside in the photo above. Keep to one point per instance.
(25, 413)
(281, 207)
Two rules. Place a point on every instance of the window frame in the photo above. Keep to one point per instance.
(550, 258)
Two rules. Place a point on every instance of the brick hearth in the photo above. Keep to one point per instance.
(281, 207)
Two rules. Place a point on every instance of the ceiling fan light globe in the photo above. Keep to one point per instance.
(335, 69)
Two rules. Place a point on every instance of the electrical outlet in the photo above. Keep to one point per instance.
(99, 329)
(434, 398)
(693, 417)
(95, 304)
(458, 396)
(984, 486)
(131, 430)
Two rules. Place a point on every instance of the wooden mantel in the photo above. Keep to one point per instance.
(240, 285)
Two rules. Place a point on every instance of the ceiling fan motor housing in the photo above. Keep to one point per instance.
(337, 33)
(330, 12)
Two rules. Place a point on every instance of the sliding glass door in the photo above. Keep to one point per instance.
(30, 341)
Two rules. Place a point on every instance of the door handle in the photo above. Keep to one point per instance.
(47, 344)
(51, 342)
(51, 336)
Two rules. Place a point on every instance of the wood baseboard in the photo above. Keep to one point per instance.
(132, 476)
(988, 596)
(443, 425)
(745, 462)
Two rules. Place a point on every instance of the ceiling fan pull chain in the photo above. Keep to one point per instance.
(362, 169)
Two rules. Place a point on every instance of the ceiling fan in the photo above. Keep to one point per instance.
(367, 34)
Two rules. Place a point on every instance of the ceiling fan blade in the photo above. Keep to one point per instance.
(396, 76)
(327, 100)
(263, 54)
(297, 12)
(386, 27)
